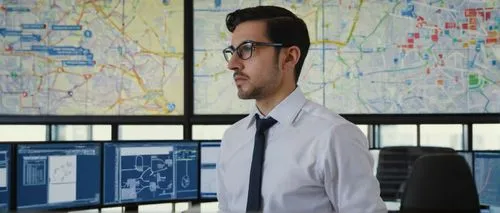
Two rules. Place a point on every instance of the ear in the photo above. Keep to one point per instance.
(290, 58)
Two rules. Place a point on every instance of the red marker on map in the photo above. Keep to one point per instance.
(87, 76)
(25, 94)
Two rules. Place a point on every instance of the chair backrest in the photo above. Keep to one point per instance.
(440, 183)
(395, 165)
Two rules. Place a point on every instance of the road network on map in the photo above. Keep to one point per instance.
(386, 56)
(109, 57)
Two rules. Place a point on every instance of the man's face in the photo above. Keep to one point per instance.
(258, 76)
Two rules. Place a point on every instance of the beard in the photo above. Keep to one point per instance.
(264, 85)
(252, 93)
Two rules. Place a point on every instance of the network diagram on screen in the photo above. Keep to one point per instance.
(150, 172)
(109, 57)
(390, 56)
(58, 175)
(149, 177)
(58, 172)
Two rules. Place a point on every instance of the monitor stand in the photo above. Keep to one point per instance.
(194, 207)
(132, 208)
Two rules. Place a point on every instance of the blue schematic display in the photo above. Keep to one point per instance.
(209, 157)
(4, 177)
(58, 175)
(487, 175)
(147, 172)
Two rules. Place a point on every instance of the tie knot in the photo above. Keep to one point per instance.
(264, 124)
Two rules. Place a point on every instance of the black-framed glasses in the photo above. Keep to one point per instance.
(245, 49)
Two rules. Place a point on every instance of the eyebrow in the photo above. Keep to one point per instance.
(245, 41)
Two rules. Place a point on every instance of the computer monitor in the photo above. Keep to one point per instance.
(487, 175)
(468, 157)
(4, 177)
(209, 153)
(58, 175)
(148, 172)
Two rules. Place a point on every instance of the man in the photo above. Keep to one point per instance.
(309, 159)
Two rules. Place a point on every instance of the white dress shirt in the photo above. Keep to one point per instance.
(315, 161)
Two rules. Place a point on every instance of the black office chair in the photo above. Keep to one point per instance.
(440, 183)
(395, 165)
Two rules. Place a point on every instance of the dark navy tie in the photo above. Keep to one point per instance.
(254, 203)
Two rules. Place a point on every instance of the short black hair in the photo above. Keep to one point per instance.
(283, 26)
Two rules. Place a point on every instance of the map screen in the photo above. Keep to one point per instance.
(369, 57)
(107, 57)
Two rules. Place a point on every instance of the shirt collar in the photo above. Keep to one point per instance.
(286, 111)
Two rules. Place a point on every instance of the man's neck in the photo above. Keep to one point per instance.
(265, 105)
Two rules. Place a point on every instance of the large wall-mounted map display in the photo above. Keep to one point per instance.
(370, 57)
(76, 57)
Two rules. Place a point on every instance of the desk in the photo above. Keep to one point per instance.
(392, 206)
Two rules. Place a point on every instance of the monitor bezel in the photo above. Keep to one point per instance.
(14, 193)
(10, 171)
(135, 204)
(201, 198)
(474, 153)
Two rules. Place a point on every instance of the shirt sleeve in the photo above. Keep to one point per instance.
(221, 192)
(348, 172)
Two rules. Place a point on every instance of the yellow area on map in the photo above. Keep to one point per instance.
(108, 57)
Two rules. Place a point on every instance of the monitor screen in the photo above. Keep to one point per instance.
(468, 158)
(139, 172)
(4, 176)
(487, 174)
(209, 157)
(58, 175)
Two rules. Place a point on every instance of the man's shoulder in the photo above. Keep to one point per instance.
(319, 113)
(237, 127)
(242, 123)
(329, 124)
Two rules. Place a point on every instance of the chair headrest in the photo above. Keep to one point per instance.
(441, 182)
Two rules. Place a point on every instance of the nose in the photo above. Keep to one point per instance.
(234, 63)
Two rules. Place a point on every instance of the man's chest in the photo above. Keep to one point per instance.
(290, 166)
